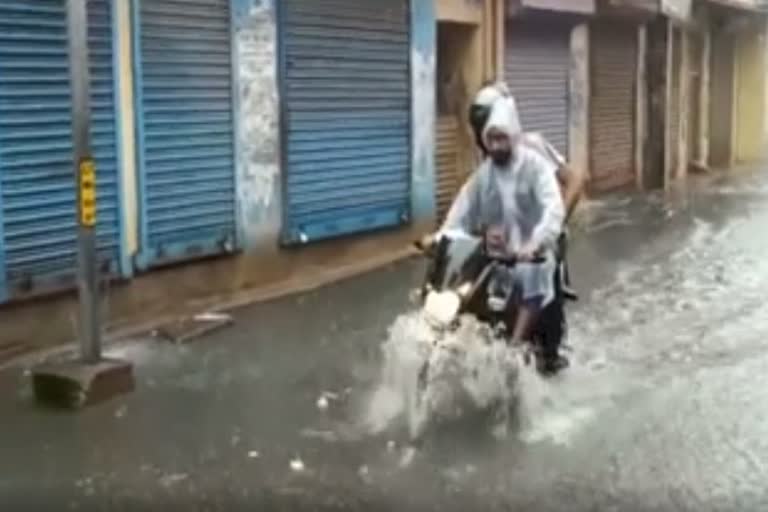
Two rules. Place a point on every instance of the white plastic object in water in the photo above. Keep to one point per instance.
(297, 465)
(442, 307)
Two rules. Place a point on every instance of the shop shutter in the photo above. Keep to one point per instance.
(186, 140)
(37, 191)
(537, 63)
(613, 66)
(346, 93)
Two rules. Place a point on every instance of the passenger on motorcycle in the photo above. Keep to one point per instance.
(514, 201)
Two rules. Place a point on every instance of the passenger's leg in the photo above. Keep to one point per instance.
(526, 316)
(535, 282)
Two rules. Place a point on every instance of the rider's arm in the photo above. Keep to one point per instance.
(459, 215)
(547, 192)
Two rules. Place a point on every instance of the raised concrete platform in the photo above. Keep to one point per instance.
(74, 384)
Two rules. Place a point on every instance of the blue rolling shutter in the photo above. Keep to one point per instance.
(186, 141)
(36, 177)
(346, 93)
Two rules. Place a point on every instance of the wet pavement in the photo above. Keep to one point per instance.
(664, 407)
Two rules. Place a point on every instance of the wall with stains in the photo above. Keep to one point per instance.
(423, 64)
(578, 132)
(257, 121)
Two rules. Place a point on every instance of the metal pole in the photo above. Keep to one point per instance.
(85, 182)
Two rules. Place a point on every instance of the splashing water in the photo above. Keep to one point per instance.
(467, 367)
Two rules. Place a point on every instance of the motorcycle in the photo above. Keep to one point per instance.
(466, 284)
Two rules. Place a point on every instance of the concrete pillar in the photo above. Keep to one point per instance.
(684, 91)
(578, 143)
(126, 134)
(423, 121)
(641, 105)
(499, 37)
(704, 99)
(668, 138)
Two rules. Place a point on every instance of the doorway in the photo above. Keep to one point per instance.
(655, 140)
(454, 80)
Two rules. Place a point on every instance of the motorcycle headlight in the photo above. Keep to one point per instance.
(464, 290)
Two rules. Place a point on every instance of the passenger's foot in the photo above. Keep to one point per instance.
(553, 365)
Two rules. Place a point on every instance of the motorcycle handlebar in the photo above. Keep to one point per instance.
(509, 261)
(419, 246)
(513, 260)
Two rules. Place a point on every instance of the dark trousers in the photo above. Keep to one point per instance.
(551, 326)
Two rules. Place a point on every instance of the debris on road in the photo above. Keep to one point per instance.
(407, 458)
(187, 329)
(297, 465)
(324, 435)
(172, 479)
(365, 474)
(213, 317)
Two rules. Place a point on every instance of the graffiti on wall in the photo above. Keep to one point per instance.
(258, 115)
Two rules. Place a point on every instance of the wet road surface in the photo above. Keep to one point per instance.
(664, 407)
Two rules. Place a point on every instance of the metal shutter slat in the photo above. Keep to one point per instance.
(347, 117)
(38, 191)
(186, 129)
(536, 70)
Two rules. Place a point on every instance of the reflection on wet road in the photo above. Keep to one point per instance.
(664, 406)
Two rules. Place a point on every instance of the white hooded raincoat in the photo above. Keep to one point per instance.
(523, 196)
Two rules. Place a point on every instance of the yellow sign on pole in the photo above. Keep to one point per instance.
(87, 192)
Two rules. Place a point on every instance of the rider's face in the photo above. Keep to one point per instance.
(499, 147)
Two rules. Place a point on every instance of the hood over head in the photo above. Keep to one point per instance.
(486, 96)
(505, 118)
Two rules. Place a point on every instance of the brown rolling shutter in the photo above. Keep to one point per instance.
(614, 58)
(447, 163)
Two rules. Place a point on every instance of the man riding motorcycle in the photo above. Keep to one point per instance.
(572, 185)
(513, 200)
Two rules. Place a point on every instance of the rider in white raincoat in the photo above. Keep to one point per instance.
(513, 198)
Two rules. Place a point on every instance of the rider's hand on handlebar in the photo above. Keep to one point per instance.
(426, 242)
(529, 253)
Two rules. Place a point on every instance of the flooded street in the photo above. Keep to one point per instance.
(663, 407)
